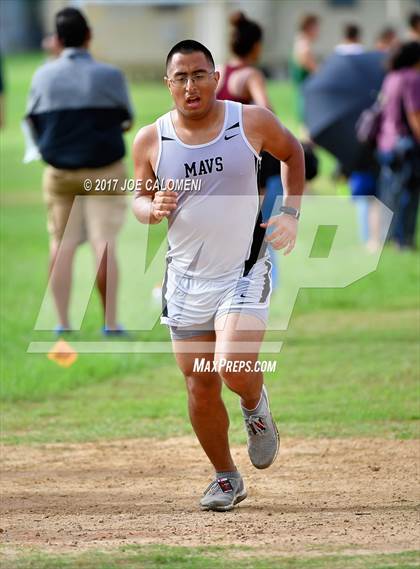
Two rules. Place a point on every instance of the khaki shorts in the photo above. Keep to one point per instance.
(94, 216)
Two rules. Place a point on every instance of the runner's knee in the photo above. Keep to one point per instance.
(236, 373)
(203, 388)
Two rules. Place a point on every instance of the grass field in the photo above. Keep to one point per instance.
(210, 558)
(349, 365)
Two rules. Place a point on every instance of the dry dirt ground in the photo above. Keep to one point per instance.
(321, 496)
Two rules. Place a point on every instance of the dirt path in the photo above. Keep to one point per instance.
(321, 496)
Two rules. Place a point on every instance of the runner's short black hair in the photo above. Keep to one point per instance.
(71, 27)
(189, 46)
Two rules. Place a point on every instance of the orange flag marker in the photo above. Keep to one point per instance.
(62, 354)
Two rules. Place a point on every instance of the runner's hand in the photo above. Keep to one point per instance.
(283, 235)
(164, 203)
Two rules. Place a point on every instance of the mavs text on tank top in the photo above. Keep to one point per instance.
(214, 231)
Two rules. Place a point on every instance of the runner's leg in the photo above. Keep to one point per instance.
(242, 330)
(207, 411)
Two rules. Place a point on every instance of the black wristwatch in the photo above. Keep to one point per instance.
(290, 211)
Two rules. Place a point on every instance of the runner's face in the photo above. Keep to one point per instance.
(192, 81)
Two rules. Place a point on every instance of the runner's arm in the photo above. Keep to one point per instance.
(151, 204)
(266, 133)
(144, 149)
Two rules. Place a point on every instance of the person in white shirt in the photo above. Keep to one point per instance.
(351, 44)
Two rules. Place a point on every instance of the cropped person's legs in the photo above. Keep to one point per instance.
(106, 268)
(362, 205)
(61, 270)
(374, 225)
(66, 229)
(105, 217)
(409, 215)
(65, 225)
(390, 195)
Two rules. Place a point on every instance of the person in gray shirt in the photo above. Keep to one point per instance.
(79, 109)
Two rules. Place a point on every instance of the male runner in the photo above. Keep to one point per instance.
(217, 284)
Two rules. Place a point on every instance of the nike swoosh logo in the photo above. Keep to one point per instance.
(229, 137)
(242, 295)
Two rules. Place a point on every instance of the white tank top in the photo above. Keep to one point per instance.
(214, 232)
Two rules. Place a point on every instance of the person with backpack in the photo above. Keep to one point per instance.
(398, 143)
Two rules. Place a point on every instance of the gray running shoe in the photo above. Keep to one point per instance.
(263, 436)
(223, 494)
